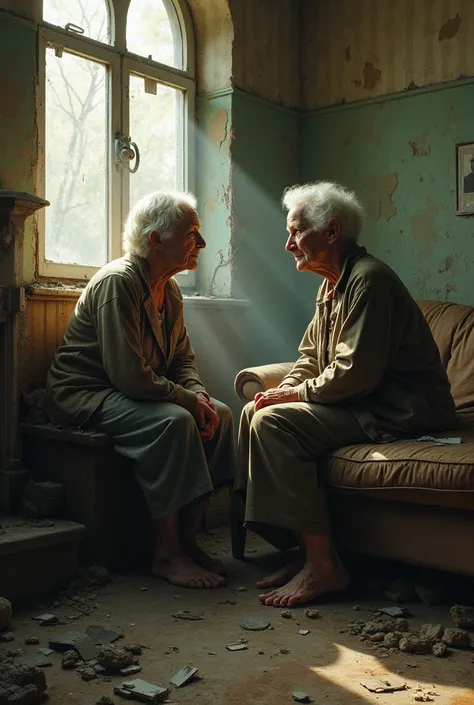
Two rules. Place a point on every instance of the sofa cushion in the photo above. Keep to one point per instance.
(405, 465)
(452, 326)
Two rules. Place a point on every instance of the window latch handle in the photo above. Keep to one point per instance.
(125, 152)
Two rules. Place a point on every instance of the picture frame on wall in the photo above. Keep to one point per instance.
(465, 179)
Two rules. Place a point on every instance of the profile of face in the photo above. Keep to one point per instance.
(180, 249)
(309, 247)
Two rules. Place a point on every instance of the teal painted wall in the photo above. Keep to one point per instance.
(264, 162)
(398, 154)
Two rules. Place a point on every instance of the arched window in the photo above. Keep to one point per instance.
(116, 113)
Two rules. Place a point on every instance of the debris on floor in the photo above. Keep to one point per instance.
(114, 659)
(463, 617)
(394, 611)
(237, 646)
(183, 676)
(21, 684)
(255, 624)
(380, 686)
(456, 638)
(286, 614)
(304, 632)
(300, 697)
(143, 691)
(312, 614)
(186, 614)
(46, 619)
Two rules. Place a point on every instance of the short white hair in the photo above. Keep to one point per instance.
(160, 212)
(323, 201)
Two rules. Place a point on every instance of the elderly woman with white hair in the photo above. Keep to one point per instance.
(369, 371)
(126, 367)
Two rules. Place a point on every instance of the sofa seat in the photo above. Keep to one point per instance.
(421, 472)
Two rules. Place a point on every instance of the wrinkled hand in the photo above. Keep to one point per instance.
(280, 395)
(206, 417)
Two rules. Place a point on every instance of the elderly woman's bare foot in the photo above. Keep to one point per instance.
(199, 556)
(184, 572)
(314, 580)
(281, 576)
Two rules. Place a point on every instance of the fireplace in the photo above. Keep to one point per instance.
(15, 208)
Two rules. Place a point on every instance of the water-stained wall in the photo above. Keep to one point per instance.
(358, 50)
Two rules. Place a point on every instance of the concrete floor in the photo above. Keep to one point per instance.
(328, 663)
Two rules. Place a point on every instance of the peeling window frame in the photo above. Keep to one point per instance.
(120, 62)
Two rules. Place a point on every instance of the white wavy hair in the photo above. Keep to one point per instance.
(323, 201)
(160, 212)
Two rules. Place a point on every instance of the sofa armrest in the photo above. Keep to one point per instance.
(258, 379)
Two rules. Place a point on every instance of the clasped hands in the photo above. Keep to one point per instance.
(280, 395)
(206, 417)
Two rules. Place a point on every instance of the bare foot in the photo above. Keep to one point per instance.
(199, 556)
(314, 580)
(181, 570)
(282, 576)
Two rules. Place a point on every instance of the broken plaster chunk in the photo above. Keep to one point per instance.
(286, 614)
(300, 697)
(113, 659)
(186, 614)
(392, 639)
(237, 646)
(463, 617)
(135, 649)
(440, 650)
(5, 614)
(312, 614)
(304, 632)
(255, 624)
(431, 632)
(32, 640)
(456, 638)
(183, 676)
(88, 674)
(414, 645)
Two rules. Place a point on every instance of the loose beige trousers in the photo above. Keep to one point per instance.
(278, 474)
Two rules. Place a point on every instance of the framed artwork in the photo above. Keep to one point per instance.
(465, 179)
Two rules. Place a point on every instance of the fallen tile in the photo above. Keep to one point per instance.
(46, 651)
(301, 697)
(394, 611)
(86, 648)
(144, 691)
(237, 646)
(186, 614)
(303, 632)
(65, 640)
(379, 686)
(100, 636)
(32, 658)
(255, 624)
(46, 619)
(184, 676)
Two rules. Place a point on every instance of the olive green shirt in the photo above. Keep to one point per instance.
(114, 341)
(370, 349)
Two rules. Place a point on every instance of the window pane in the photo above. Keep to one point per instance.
(92, 15)
(76, 160)
(153, 30)
(155, 126)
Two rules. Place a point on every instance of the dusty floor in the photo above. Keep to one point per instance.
(328, 663)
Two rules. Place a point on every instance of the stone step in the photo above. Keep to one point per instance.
(37, 557)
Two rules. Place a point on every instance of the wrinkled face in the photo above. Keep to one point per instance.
(181, 248)
(308, 246)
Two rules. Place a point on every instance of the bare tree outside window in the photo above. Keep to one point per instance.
(92, 15)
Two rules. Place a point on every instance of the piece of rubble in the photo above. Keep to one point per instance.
(300, 697)
(21, 685)
(242, 588)
(430, 595)
(133, 648)
(86, 648)
(45, 650)
(113, 659)
(255, 624)
(130, 670)
(287, 614)
(70, 659)
(463, 617)
(380, 686)
(144, 691)
(312, 614)
(104, 700)
(183, 676)
(6, 637)
(236, 646)
(186, 614)
(100, 636)
(456, 637)
(284, 652)
(32, 658)
(377, 637)
(392, 639)
(99, 669)
(304, 632)
(401, 590)
(440, 650)
(88, 674)
(5, 614)
(394, 611)
(46, 619)
(65, 641)
(32, 640)
(431, 633)
(414, 645)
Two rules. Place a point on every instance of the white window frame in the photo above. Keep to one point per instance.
(121, 62)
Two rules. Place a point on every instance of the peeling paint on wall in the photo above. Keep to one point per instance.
(424, 228)
(372, 76)
(446, 265)
(380, 195)
(420, 146)
(450, 29)
(218, 127)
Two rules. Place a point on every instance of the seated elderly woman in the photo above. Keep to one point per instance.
(369, 370)
(126, 367)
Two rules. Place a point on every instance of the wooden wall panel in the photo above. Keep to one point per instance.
(47, 316)
(358, 49)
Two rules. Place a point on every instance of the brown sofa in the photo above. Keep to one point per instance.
(409, 501)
